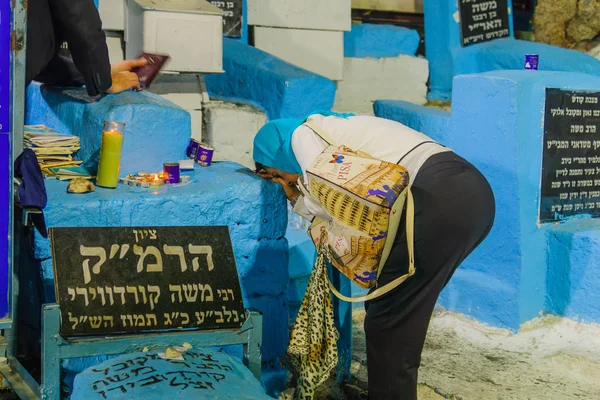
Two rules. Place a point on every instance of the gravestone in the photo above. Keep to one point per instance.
(128, 280)
(197, 374)
(571, 155)
(483, 20)
(232, 17)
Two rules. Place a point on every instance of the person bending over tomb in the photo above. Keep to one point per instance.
(50, 24)
(454, 210)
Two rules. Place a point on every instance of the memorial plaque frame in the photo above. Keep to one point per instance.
(570, 183)
(483, 20)
(117, 280)
(233, 16)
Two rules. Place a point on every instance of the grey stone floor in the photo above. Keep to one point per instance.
(550, 358)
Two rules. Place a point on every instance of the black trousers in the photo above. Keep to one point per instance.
(454, 212)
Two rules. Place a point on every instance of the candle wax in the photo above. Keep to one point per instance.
(110, 159)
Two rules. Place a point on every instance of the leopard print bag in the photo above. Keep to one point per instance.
(313, 344)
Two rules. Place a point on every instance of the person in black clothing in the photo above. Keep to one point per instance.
(50, 24)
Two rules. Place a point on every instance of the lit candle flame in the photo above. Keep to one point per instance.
(156, 178)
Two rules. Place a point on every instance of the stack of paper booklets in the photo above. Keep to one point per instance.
(55, 152)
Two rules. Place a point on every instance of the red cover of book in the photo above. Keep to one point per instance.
(148, 72)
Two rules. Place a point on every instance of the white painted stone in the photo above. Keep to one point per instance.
(370, 79)
(112, 14)
(184, 90)
(332, 15)
(116, 51)
(230, 129)
(190, 31)
(321, 52)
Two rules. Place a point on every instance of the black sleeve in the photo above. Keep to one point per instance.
(78, 23)
(61, 71)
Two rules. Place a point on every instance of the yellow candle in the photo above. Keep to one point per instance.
(110, 155)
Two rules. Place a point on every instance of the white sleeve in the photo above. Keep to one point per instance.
(301, 209)
(307, 146)
(308, 207)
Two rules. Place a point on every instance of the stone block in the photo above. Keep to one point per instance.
(223, 194)
(112, 13)
(261, 80)
(497, 123)
(236, 382)
(230, 129)
(447, 58)
(167, 28)
(311, 14)
(509, 54)
(370, 79)
(151, 122)
(116, 50)
(443, 41)
(318, 51)
(184, 90)
(378, 40)
(430, 121)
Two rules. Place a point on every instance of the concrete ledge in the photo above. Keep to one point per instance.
(509, 54)
(261, 80)
(430, 121)
(151, 122)
(378, 41)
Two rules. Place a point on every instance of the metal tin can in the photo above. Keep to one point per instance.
(531, 61)
(192, 149)
(205, 155)
(171, 171)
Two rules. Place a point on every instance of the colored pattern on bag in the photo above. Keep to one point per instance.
(358, 192)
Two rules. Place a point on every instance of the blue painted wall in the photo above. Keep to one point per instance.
(447, 58)
(378, 41)
(522, 268)
(266, 82)
(442, 41)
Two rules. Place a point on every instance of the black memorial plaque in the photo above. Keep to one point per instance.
(483, 20)
(232, 19)
(128, 280)
(571, 155)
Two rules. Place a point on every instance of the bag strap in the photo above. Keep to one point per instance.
(410, 242)
(320, 132)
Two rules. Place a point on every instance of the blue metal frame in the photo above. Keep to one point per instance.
(55, 348)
